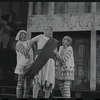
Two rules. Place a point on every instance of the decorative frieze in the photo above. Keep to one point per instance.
(36, 23)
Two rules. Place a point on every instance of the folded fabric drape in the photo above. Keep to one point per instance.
(44, 55)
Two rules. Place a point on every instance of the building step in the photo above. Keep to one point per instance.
(7, 92)
(63, 97)
(10, 91)
(2, 95)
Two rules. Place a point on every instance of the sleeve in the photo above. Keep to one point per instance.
(35, 39)
(20, 48)
(66, 56)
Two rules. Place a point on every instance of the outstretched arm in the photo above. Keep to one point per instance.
(35, 39)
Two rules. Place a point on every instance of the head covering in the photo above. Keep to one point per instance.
(18, 34)
(69, 39)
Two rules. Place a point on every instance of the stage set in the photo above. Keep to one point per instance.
(80, 21)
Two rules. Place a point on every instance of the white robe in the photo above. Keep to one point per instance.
(48, 71)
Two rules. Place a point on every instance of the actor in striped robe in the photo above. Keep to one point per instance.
(65, 70)
(24, 60)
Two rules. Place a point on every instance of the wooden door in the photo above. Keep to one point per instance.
(81, 47)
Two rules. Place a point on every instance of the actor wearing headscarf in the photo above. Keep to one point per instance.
(44, 79)
(65, 70)
(24, 60)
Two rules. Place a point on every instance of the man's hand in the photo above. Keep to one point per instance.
(28, 48)
(27, 56)
(57, 54)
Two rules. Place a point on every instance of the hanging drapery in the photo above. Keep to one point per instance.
(42, 58)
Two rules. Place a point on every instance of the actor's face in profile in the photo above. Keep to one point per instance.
(65, 42)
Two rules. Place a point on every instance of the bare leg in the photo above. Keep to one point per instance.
(48, 91)
(36, 88)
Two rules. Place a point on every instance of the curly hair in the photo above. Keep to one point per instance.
(69, 39)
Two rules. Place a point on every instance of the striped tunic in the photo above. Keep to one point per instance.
(24, 56)
(65, 72)
(66, 64)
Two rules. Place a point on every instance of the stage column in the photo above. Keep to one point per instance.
(93, 50)
(30, 13)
